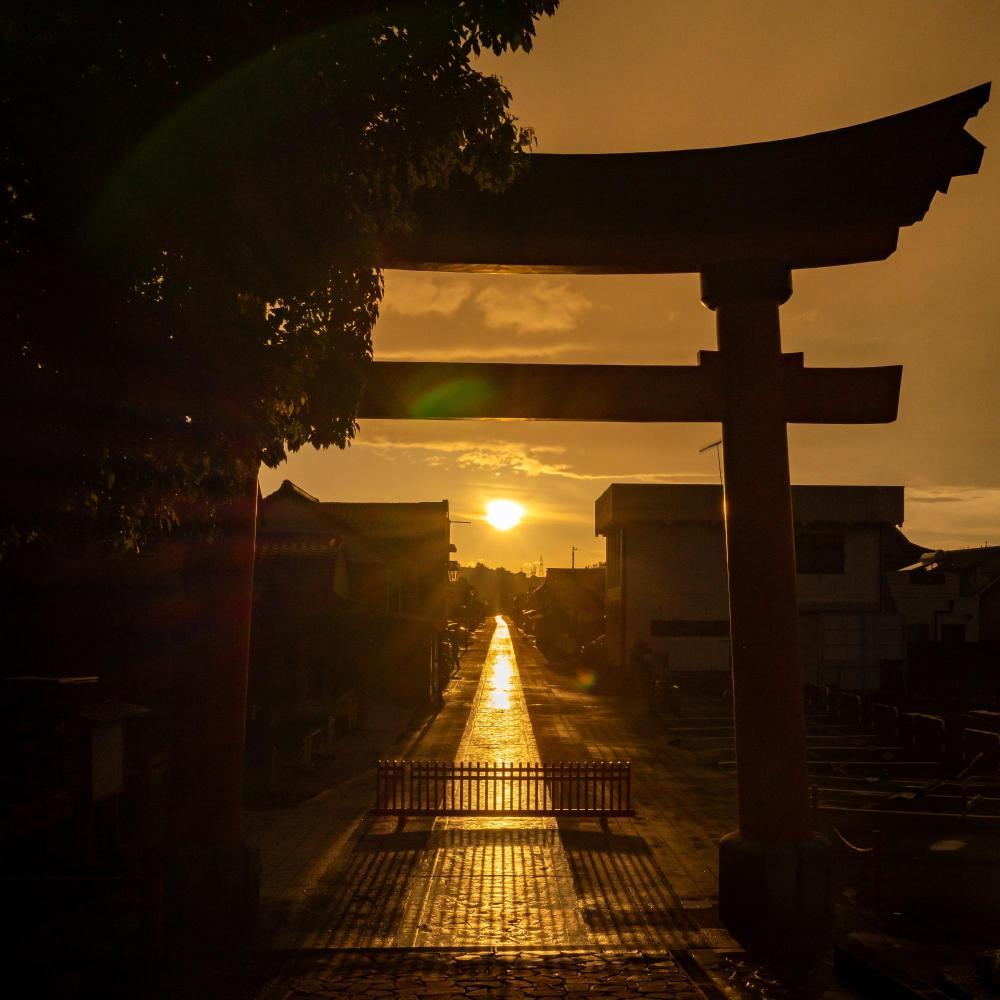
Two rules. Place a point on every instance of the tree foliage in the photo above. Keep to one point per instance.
(192, 202)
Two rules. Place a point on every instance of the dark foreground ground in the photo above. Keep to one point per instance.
(340, 889)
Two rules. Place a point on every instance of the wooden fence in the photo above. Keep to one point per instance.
(469, 788)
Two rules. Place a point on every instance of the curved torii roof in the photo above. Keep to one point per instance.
(830, 198)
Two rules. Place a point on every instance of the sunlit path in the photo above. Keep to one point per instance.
(494, 881)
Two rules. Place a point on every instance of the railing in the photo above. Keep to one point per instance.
(470, 788)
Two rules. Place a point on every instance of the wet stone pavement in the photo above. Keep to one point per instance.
(519, 907)
(489, 881)
(409, 974)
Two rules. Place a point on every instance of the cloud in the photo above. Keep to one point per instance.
(539, 307)
(423, 294)
(940, 498)
(487, 352)
(509, 456)
(952, 516)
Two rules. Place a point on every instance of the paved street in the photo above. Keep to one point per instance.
(409, 975)
(494, 881)
(541, 907)
(649, 881)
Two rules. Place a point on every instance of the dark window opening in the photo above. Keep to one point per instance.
(819, 552)
(689, 629)
(921, 578)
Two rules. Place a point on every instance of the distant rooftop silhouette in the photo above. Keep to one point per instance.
(629, 503)
(312, 515)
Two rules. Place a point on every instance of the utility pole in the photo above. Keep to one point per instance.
(572, 557)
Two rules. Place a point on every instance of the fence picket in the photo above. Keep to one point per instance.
(503, 788)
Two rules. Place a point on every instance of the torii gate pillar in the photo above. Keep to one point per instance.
(774, 873)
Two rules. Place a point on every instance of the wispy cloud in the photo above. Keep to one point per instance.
(953, 516)
(509, 456)
(542, 306)
(914, 496)
(941, 498)
(417, 294)
(508, 351)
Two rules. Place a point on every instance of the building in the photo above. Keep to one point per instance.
(349, 601)
(396, 554)
(667, 587)
(951, 603)
(950, 596)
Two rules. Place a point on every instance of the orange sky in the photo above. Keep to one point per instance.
(653, 74)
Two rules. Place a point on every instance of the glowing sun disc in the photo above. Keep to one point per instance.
(504, 514)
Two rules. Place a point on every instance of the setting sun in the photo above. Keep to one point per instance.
(504, 514)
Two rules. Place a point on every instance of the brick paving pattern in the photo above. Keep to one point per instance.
(485, 881)
(651, 881)
(324, 863)
(383, 911)
(409, 975)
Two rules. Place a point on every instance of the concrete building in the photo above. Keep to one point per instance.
(667, 586)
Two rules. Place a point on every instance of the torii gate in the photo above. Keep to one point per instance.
(742, 218)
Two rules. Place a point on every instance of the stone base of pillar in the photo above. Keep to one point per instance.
(211, 896)
(775, 898)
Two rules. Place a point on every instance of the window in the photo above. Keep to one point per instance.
(922, 578)
(953, 633)
(819, 552)
(689, 629)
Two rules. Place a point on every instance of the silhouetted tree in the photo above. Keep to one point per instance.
(175, 308)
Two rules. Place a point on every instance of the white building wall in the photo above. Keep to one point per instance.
(676, 573)
(859, 586)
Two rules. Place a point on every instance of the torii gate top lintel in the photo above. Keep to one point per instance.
(837, 197)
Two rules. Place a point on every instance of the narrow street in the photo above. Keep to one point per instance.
(642, 882)
(534, 907)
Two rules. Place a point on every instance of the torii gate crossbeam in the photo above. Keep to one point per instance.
(435, 390)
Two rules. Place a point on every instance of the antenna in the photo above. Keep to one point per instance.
(717, 445)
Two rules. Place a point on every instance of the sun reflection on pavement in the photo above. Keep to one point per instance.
(495, 881)
(500, 681)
